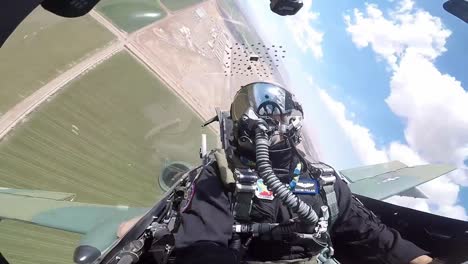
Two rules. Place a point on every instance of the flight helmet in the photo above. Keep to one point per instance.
(275, 107)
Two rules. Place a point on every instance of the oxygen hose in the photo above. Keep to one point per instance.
(265, 171)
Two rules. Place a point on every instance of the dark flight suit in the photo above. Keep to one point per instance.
(207, 228)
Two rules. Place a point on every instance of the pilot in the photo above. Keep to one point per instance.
(300, 211)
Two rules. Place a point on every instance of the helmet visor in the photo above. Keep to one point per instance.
(266, 99)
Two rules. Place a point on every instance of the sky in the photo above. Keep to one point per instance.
(380, 81)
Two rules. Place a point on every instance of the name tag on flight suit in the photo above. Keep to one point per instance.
(306, 186)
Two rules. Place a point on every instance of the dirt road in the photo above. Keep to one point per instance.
(11, 118)
(121, 35)
(168, 12)
(199, 104)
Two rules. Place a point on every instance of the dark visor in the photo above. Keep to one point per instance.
(12, 12)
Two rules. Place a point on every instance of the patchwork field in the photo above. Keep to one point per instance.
(179, 4)
(105, 137)
(42, 47)
(131, 15)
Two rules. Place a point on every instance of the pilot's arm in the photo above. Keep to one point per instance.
(206, 223)
(359, 232)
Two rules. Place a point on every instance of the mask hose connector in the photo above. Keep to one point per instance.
(265, 171)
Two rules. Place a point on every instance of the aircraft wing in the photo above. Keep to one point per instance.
(59, 196)
(383, 180)
(98, 223)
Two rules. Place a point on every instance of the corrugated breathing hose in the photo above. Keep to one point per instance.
(265, 171)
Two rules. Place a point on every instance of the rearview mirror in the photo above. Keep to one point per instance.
(286, 7)
(70, 8)
(458, 8)
(13, 12)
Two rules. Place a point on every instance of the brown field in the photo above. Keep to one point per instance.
(191, 52)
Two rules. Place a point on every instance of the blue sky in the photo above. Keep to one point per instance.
(361, 80)
(355, 74)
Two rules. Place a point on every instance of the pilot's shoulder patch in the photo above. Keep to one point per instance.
(262, 192)
(306, 186)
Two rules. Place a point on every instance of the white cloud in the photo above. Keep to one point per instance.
(433, 104)
(305, 35)
(360, 137)
(415, 203)
(442, 192)
(403, 153)
(406, 29)
(405, 5)
(457, 212)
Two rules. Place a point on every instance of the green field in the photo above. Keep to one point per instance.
(43, 46)
(105, 137)
(179, 4)
(131, 15)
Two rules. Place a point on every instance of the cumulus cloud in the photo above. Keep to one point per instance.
(404, 29)
(415, 203)
(360, 137)
(433, 104)
(457, 212)
(442, 192)
(403, 153)
(306, 36)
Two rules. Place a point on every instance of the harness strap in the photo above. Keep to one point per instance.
(241, 181)
(327, 177)
(245, 191)
(226, 174)
(332, 202)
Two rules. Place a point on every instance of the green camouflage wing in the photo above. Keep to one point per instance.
(59, 196)
(98, 223)
(364, 172)
(387, 179)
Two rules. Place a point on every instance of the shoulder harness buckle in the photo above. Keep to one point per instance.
(327, 178)
(246, 184)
